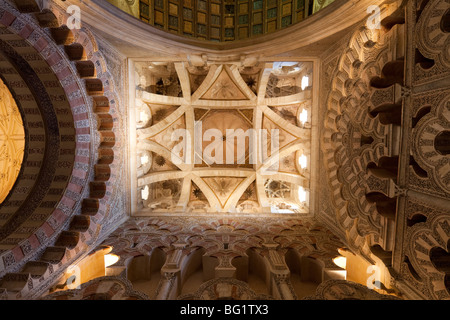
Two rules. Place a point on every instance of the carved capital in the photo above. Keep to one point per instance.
(281, 277)
(400, 191)
(405, 91)
(198, 60)
(169, 275)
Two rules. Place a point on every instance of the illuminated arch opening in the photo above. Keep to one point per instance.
(12, 141)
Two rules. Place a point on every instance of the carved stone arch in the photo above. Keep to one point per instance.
(196, 268)
(259, 271)
(144, 271)
(103, 288)
(346, 290)
(433, 46)
(424, 139)
(138, 267)
(305, 273)
(346, 123)
(224, 289)
(240, 263)
(424, 240)
(67, 100)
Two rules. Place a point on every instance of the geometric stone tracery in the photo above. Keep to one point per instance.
(227, 97)
(368, 105)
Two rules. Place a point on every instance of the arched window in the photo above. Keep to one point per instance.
(442, 143)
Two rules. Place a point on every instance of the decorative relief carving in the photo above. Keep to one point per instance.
(221, 98)
(424, 148)
(103, 288)
(354, 135)
(224, 288)
(428, 251)
(432, 42)
(346, 290)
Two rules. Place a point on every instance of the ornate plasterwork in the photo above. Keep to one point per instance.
(432, 40)
(227, 241)
(353, 138)
(346, 290)
(403, 68)
(201, 96)
(73, 92)
(421, 264)
(224, 288)
(141, 235)
(424, 138)
(430, 271)
(103, 288)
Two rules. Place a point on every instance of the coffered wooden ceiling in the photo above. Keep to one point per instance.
(221, 20)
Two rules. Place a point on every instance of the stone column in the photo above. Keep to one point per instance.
(170, 273)
(279, 271)
(166, 285)
(284, 286)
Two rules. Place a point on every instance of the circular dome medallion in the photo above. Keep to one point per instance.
(12, 141)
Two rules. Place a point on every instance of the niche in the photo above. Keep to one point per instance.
(412, 270)
(445, 21)
(442, 143)
(366, 140)
(144, 271)
(383, 255)
(391, 73)
(196, 269)
(306, 273)
(417, 218)
(397, 17)
(258, 277)
(423, 61)
(387, 168)
(417, 169)
(241, 265)
(441, 261)
(388, 113)
(386, 206)
(420, 114)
